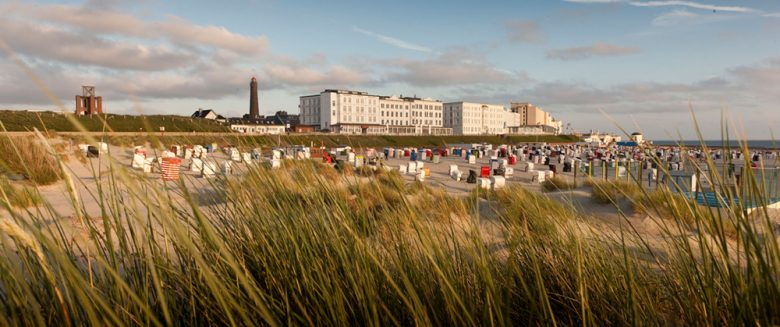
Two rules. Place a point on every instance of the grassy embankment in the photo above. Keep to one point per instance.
(54, 122)
(309, 245)
(328, 140)
(21, 121)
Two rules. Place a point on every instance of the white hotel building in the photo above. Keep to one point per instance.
(354, 112)
(468, 118)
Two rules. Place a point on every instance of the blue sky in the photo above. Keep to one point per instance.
(592, 63)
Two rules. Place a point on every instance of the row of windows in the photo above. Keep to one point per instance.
(414, 122)
(414, 106)
(427, 114)
(394, 114)
(414, 114)
(370, 110)
(426, 122)
(395, 122)
(359, 119)
(469, 108)
(360, 100)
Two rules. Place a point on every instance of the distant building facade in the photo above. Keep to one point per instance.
(638, 138)
(469, 118)
(531, 115)
(356, 112)
(600, 139)
(258, 129)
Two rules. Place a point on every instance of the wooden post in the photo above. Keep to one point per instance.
(590, 169)
(617, 168)
(696, 192)
(639, 173)
(628, 171)
(576, 167)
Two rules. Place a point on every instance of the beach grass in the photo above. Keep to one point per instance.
(557, 183)
(611, 191)
(308, 245)
(18, 196)
(28, 157)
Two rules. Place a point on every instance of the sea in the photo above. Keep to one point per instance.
(752, 144)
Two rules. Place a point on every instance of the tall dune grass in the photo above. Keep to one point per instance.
(294, 247)
(28, 157)
(305, 244)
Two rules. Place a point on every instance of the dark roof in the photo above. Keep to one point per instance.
(283, 118)
(636, 133)
(201, 113)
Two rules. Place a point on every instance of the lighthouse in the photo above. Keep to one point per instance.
(254, 108)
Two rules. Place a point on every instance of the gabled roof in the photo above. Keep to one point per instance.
(202, 113)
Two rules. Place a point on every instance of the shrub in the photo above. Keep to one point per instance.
(28, 157)
(557, 184)
(613, 191)
(367, 171)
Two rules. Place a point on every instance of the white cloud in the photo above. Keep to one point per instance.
(298, 74)
(675, 3)
(122, 54)
(178, 30)
(456, 66)
(598, 49)
(685, 17)
(48, 42)
(108, 25)
(392, 41)
(675, 17)
(691, 4)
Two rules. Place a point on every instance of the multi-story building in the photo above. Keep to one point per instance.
(531, 115)
(468, 118)
(411, 115)
(354, 112)
(342, 111)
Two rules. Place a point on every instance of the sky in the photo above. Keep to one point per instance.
(639, 65)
